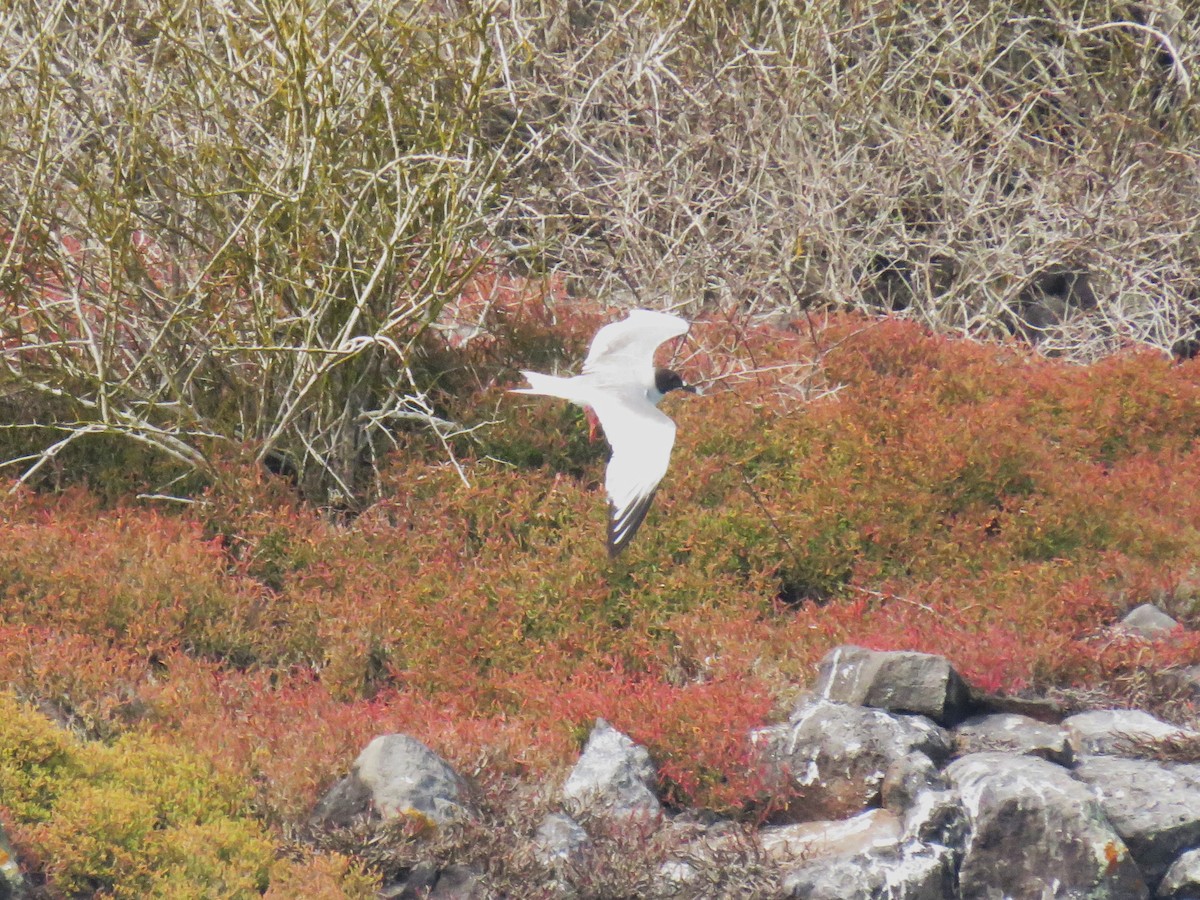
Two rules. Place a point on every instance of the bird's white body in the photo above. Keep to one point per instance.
(620, 384)
(585, 389)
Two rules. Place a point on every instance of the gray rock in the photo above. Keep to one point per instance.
(1108, 731)
(405, 777)
(1012, 733)
(1148, 621)
(937, 817)
(910, 872)
(613, 776)
(790, 845)
(907, 777)
(1182, 881)
(459, 883)
(395, 775)
(897, 681)
(830, 759)
(1035, 832)
(1155, 807)
(1043, 709)
(416, 885)
(346, 802)
(559, 839)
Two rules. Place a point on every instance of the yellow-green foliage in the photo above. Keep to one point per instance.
(35, 757)
(141, 817)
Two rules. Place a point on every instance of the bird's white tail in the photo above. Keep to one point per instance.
(549, 386)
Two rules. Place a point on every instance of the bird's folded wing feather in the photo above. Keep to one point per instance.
(641, 438)
(632, 341)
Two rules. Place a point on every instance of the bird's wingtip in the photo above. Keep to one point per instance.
(624, 524)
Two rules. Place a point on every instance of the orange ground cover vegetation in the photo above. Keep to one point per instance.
(848, 480)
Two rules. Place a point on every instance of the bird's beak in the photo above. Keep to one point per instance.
(692, 389)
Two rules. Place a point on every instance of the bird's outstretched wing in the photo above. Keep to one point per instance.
(631, 342)
(641, 438)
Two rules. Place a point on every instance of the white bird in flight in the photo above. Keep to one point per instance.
(622, 386)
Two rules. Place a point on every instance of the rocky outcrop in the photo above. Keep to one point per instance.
(1154, 806)
(1182, 881)
(937, 817)
(1112, 731)
(907, 778)
(1013, 733)
(1034, 831)
(899, 681)
(909, 872)
(806, 841)
(830, 759)
(871, 799)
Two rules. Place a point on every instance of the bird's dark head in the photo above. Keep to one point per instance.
(667, 380)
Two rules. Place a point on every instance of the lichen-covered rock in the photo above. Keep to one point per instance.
(613, 776)
(907, 777)
(937, 817)
(1109, 731)
(1035, 832)
(793, 844)
(1155, 807)
(830, 759)
(12, 882)
(1182, 881)
(908, 872)
(1012, 733)
(396, 775)
(898, 681)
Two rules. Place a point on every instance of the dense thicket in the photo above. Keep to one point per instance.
(235, 221)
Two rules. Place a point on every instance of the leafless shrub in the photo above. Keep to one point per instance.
(622, 858)
(941, 160)
(1166, 693)
(233, 222)
(1183, 747)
